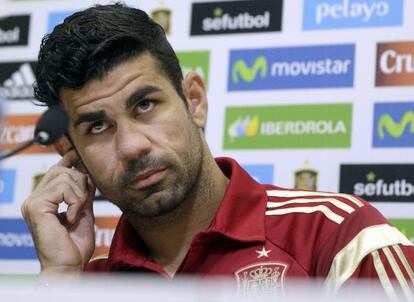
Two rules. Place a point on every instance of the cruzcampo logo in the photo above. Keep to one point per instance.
(393, 125)
(405, 226)
(197, 61)
(292, 126)
(240, 69)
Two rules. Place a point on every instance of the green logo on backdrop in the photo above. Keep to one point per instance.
(290, 126)
(406, 226)
(197, 61)
(395, 129)
(249, 74)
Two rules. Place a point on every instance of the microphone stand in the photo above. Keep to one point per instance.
(8, 153)
(40, 138)
(51, 126)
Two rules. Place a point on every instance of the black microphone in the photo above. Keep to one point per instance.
(51, 126)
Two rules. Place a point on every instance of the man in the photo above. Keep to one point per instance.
(136, 134)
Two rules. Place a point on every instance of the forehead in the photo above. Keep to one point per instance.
(140, 70)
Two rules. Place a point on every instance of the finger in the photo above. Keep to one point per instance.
(88, 204)
(74, 202)
(80, 179)
(71, 175)
(48, 202)
(86, 200)
(66, 178)
(91, 193)
(69, 159)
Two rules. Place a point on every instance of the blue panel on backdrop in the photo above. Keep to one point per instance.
(15, 240)
(291, 67)
(393, 125)
(262, 173)
(7, 185)
(328, 14)
(57, 18)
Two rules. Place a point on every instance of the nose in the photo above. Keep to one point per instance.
(131, 140)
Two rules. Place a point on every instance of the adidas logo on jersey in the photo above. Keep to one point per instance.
(308, 202)
(19, 85)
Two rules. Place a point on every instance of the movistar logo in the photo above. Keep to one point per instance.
(240, 69)
(241, 127)
(395, 129)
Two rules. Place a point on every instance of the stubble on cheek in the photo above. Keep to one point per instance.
(181, 172)
(166, 196)
(144, 201)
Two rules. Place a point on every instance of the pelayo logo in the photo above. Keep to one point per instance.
(292, 126)
(15, 240)
(291, 67)
(323, 14)
(197, 61)
(379, 182)
(395, 64)
(393, 125)
(212, 18)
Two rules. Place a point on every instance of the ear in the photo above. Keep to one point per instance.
(195, 92)
(64, 145)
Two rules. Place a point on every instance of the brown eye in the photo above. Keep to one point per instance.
(144, 106)
(98, 127)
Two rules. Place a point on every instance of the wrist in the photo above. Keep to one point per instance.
(51, 277)
(56, 271)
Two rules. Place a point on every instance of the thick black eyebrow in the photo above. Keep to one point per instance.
(140, 94)
(132, 100)
(89, 117)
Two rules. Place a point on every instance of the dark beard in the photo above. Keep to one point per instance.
(136, 166)
(161, 198)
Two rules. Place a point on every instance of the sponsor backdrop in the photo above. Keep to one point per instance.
(310, 94)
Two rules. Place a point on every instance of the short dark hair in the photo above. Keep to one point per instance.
(91, 42)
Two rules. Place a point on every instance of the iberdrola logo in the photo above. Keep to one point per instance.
(242, 127)
(395, 129)
(247, 74)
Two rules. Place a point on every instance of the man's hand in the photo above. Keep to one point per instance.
(64, 242)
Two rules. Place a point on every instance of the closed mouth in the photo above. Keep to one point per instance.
(148, 178)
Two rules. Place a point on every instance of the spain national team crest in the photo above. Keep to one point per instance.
(163, 17)
(261, 279)
(306, 179)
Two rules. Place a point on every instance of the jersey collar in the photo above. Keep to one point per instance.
(241, 214)
(240, 217)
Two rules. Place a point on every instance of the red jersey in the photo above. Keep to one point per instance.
(262, 235)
